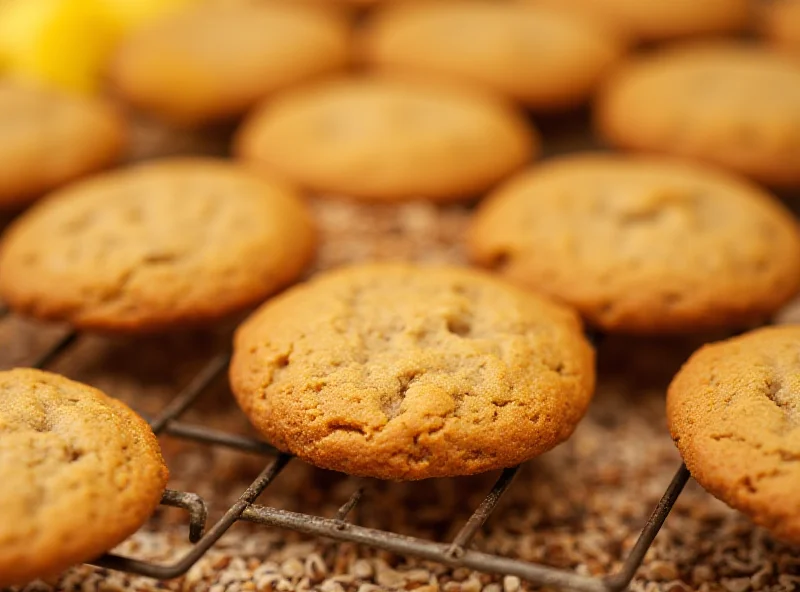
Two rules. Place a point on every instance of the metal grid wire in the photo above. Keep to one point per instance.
(457, 553)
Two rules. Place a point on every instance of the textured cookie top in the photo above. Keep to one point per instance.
(79, 473)
(542, 57)
(399, 372)
(658, 21)
(642, 244)
(386, 140)
(48, 138)
(218, 58)
(733, 105)
(734, 413)
(154, 246)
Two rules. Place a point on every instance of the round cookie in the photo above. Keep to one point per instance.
(734, 414)
(388, 140)
(218, 59)
(48, 138)
(160, 245)
(642, 244)
(544, 58)
(660, 21)
(401, 372)
(730, 104)
(782, 25)
(79, 473)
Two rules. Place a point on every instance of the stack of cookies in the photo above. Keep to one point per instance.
(396, 370)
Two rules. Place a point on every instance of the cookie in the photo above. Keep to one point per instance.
(401, 372)
(79, 473)
(156, 246)
(660, 21)
(734, 414)
(215, 61)
(642, 244)
(730, 104)
(388, 140)
(48, 138)
(546, 59)
(782, 25)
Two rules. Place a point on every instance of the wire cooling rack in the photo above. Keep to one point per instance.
(457, 553)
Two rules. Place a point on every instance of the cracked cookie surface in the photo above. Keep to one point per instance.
(48, 138)
(156, 246)
(642, 244)
(386, 139)
(730, 104)
(734, 414)
(401, 372)
(79, 473)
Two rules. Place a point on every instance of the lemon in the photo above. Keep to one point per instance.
(66, 43)
(59, 42)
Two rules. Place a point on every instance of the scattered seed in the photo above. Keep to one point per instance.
(511, 584)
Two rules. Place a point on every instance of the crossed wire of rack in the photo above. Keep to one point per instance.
(457, 553)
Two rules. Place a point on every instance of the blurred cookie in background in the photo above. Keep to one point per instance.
(49, 137)
(543, 58)
(781, 25)
(215, 60)
(659, 21)
(388, 139)
(732, 104)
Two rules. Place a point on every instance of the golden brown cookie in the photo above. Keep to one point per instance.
(401, 372)
(366, 4)
(544, 58)
(48, 138)
(79, 473)
(388, 140)
(160, 245)
(642, 244)
(782, 25)
(218, 59)
(734, 413)
(730, 104)
(659, 21)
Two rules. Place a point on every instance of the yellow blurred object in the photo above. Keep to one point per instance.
(59, 42)
(66, 43)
